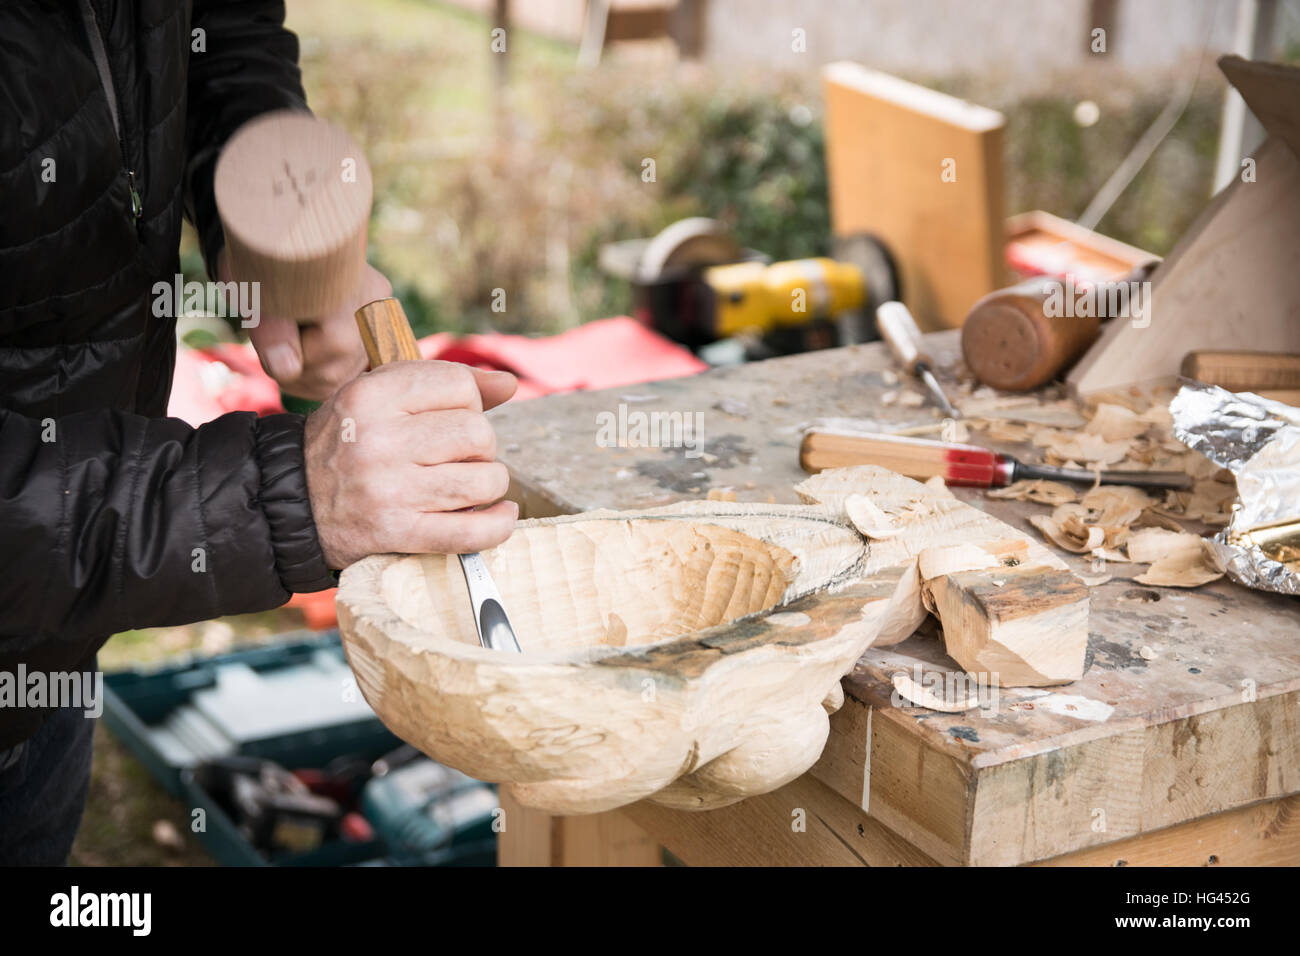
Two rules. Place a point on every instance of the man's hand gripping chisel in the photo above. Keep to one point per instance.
(387, 336)
(294, 194)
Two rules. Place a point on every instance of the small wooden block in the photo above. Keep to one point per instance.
(921, 171)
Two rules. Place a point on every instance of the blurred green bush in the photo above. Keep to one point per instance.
(491, 207)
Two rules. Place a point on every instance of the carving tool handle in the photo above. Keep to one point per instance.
(901, 334)
(914, 457)
(386, 333)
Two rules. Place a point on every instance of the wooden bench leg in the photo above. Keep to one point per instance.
(534, 838)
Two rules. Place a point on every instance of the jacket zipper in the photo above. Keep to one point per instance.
(100, 56)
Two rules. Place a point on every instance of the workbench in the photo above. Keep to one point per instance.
(1179, 746)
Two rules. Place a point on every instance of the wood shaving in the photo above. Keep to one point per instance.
(1104, 554)
(923, 696)
(1003, 431)
(937, 483)
(1068, 532)
(1028, 409)
(1183, 570)
(1090, 448)
(1198, 466)
(1158, 415)
(1035, 489)
(1112, 506)
(1098, 523)
(911, 399)
(1151, 545)
(1134, 403)
(1150, 518)
(952, 430)
(1115, 423)
(722, 494)
(869, 519)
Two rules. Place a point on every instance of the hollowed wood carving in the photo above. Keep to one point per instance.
(691, 654)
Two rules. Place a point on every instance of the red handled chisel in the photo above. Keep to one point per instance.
(968, 465)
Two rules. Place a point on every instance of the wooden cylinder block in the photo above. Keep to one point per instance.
(1009, 340)
(294, 195)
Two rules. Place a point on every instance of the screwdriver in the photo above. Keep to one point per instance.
(899, 330)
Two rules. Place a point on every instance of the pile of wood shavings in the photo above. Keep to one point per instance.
(1117, 523)
(874, 522)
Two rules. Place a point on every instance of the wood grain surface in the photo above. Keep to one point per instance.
(1205, 721)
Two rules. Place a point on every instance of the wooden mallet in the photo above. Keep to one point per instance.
(294, 195)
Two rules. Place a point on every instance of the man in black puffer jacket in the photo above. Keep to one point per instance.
(112, 116)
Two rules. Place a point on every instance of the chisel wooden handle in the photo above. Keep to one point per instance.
(901, 334)
(914, 457)
(386, 333)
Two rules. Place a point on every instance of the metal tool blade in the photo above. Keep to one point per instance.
(1138, 479)
(936, 392)
(494, 630)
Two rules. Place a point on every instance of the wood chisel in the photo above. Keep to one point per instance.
(967, 465)
(387, 336)
(901, 334)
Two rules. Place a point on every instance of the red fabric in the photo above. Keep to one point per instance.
(607, 353)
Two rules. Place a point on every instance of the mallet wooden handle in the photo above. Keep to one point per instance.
(386, 333)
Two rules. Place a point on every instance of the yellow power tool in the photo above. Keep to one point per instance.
(755, 298)
(695, 284)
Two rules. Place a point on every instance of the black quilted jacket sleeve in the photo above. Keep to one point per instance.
(116, 521)
(111, 516)
(249, 67)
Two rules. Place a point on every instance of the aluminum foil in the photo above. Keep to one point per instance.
(1258, 440)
